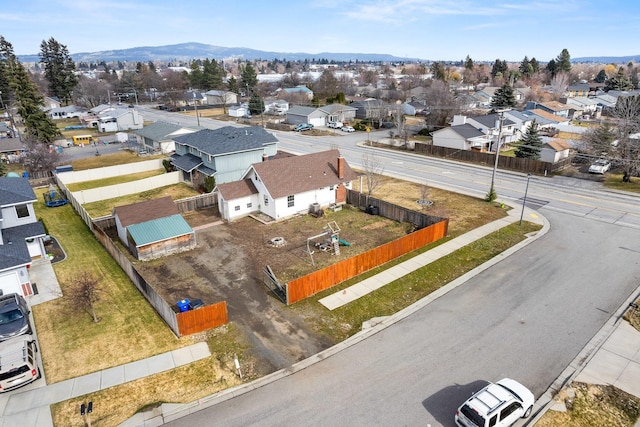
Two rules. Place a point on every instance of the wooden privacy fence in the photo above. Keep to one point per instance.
(201, 319)
(327, 277)
(390, 210)
(504, 162)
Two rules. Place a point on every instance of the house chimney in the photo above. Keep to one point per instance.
(340, 166)
(265, 157)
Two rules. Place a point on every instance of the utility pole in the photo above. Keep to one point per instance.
(491, 195)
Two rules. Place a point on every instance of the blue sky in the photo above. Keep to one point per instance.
(425, 29)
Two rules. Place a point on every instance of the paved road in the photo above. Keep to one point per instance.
(526, 318)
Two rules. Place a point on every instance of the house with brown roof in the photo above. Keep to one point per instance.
(555, 150)
(153, 228)
(283, 187)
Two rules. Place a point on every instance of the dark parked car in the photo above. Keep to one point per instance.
(14, 316)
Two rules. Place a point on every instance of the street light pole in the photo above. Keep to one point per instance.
(492, 194)
(524, 201)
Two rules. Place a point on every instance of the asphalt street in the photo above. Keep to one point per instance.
(526, 318)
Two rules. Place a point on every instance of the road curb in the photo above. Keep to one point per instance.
(171, 412)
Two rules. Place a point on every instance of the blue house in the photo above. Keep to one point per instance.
(224, 153)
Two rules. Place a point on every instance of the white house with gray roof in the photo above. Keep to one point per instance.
(224, 153)
(158, 136)
(21, 235)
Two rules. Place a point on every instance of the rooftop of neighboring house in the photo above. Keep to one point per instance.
(228, 139)
(236, 189)
(15, 191)
(157, 131)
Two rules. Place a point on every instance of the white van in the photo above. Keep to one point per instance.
(18, 362)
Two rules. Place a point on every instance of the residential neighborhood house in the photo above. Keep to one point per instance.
(223, 153)
(287, 186)
(158, 136)
(21, 235)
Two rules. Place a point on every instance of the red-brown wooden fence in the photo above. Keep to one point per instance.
(201, 319)
(327, 277)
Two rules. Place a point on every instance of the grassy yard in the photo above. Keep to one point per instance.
(119, 158)
(105, 207)
(121, 179)
(129, 329)
(614, 182)
(71, 343)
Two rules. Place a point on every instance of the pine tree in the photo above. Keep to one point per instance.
(249, 76)
(525, 67)
(468, 63)
(601, 77)
(503, 97)
(620, 81)
(535, 65)
(530, 144)
(256, 105)
(563, 61)
(59, 69)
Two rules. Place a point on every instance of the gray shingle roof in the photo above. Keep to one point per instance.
(186, 162)
(158, 131)
(15, 190)
(14, 251)
(228, 140)
(300, 110)
(490, 120)
(466, 131)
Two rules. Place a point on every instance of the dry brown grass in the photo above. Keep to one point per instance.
(185, 384)
(594, 406)
(464, 212)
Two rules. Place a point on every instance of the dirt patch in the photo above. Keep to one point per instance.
(227, 266)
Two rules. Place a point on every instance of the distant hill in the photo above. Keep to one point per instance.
(608, 59)
(188, 51)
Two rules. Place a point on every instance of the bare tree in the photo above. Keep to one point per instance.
(373, 169)
(91, 92)
(85, 292)
(40, 156)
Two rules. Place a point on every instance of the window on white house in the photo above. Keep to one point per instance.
(249, 205)
(290, 201)
(266, 201)
(22, 211)
(237, 208)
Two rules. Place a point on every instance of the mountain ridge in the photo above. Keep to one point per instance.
(193, 50)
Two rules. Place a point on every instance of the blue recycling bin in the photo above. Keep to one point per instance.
(183, 305)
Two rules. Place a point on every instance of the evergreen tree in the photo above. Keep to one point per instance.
(563, 61)
(530, 144)
(620, 81)
(212, 74)
(552, 68)
(468, 63)
(249, 76)
(196, 76)
(256, 105)
(601, 77)
(525, 67)
(39, 127)
(232, 84)
(535, 65)
(503, 97)
(59, 69)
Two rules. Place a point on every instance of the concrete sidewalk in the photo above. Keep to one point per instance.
(30, 406)
(366, 286)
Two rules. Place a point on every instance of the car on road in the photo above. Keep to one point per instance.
(14, 316)
(498, 404)
(348, 129)
(335, 125)
(303, 126)
(600, 166)
(19, 365)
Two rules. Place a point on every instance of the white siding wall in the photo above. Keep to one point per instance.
(303, 201)
(10, 216)
(449, 138)
(234, 209)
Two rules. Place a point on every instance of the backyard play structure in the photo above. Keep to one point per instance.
(53, 197)
(329, 244)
